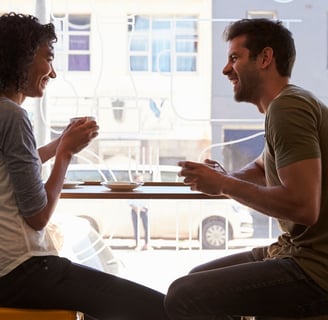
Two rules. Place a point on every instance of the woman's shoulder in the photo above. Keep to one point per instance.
(9, 110)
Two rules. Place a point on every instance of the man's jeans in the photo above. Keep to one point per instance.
(238, 285)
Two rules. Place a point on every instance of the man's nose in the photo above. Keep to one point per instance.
(226, 69)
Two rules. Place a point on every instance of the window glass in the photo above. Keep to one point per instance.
(139, 44)
(138, 63)
(73, 47)
(79, 62)
(161, 56)
(173, 43)
(151, 74)
(141, 23)
(79, 42)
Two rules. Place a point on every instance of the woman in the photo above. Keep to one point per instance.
(31, 273)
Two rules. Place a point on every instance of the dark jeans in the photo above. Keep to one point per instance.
(144, 219)
(238, 285)
(56, 283)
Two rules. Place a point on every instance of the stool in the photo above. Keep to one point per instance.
(38, 314)
(279, 318)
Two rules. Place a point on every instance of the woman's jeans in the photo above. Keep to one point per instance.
(238, 285)
(56, 283)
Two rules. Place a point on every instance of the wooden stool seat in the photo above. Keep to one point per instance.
(38, 314)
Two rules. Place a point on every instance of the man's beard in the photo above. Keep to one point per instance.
(248, 91)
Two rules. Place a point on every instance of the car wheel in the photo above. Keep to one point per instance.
(213, 234)
(92, 222)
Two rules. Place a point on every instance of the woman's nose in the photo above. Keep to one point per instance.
(53, 73)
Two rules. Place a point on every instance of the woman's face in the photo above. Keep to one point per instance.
(40, 72)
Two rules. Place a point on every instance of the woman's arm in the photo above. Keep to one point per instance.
(72, 141)
(48, 151)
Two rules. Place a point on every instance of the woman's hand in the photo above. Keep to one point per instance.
(78, 135)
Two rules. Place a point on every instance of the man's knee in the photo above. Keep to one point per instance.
(175, 298)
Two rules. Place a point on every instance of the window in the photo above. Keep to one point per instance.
(163, 44)
(247, 145)
(153, 79)
(73, 47)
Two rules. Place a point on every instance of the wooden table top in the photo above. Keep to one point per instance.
(146, 191)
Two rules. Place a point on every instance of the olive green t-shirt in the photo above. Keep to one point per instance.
(296, 128)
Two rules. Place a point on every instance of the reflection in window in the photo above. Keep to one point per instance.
(73, 47)
(163, 44)
(237, 155)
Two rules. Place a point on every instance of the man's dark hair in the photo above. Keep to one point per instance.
(20, 37)
(261, 33)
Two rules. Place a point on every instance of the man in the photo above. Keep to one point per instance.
(289, 181)
(139, 210)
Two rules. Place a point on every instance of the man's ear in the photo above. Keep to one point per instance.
(266, 57)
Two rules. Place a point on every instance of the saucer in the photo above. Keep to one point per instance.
(121, 185)
(71, 184)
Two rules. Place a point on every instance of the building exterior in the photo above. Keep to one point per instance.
(150, 72)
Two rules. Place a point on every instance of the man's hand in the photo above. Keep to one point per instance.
(206, 177)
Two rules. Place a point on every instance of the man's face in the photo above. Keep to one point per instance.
(242, 72)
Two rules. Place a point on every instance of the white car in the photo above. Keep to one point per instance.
(100, 173)
(76, 240)
(211, 222)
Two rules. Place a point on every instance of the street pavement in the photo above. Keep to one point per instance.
(171, 259)
(158, 268)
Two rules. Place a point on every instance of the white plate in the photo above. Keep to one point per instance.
(121, 185)
(71, 184)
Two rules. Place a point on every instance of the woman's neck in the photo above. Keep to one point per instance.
(15, 96)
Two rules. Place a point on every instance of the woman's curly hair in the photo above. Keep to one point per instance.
(20, 37)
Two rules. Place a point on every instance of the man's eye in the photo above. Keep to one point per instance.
(233, 58)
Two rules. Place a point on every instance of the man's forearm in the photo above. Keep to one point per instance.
(252, 172)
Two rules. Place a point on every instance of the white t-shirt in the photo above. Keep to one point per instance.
(22, 191)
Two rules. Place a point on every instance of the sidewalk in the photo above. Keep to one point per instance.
(158, 268)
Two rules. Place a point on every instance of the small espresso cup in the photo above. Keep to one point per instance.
(89, 118)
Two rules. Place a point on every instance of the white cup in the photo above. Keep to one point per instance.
(89, 118)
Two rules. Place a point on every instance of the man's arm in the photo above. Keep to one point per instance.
(252, 172)
(297, 198)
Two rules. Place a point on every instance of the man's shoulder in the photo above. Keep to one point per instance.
(294, 90)
(293, 96)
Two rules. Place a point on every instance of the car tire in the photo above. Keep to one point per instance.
(213, 234)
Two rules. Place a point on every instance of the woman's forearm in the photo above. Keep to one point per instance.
(48, 151)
